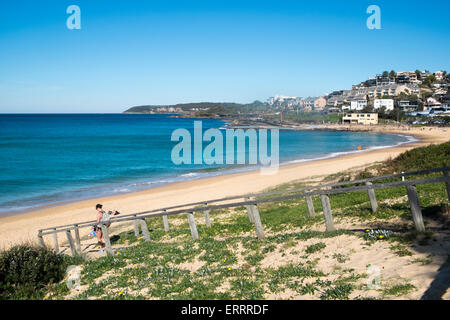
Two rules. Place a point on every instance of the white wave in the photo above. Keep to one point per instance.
(410, 139)
(190, 174)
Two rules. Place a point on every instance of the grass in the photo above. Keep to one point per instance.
(340, 257)
(401, 250)
(338, 292)
(398, 290)
(423, 261)
(315, 247)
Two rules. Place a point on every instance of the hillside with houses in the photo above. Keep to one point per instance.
(411, 96)
(413, 93)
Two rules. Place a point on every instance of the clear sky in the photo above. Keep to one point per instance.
(131, 53)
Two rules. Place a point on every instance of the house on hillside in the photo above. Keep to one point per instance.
(388, 104)
(358, 105)
(408, 105)
(432, 103)
(445, 100)
(439, 75)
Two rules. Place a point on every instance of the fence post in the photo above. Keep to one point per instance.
(107, 240)
(55, 241)
(144, 229)
(372, 198)
(310, 205)
(192, 225)
(447, 183)
(136, 226)
(70, 240)
(206, 213)
(327, 212)
(41, 239)
(249, 211)
(166, 222)
(415, 207)
(257, 221)
(77, 238)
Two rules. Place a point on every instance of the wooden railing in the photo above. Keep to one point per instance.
(251, 201)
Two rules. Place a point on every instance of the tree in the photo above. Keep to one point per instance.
(418, 75)
(385, 74)
(392, 74)
(426, 95)
(382, 112)
(429, 80)
(405, 96)
(367, 109)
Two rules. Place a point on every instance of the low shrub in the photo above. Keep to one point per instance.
(432, 156)
(25, 270)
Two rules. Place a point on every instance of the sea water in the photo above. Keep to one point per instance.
(48, 159)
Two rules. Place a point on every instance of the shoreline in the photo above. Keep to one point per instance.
(203, 175)
(23, 227)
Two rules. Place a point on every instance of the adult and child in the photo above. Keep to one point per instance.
(103, 218)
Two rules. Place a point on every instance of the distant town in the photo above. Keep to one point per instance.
(416, 97)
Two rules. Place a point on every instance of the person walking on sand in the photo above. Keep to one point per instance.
(103, 218)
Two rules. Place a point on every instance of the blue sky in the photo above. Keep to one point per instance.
(131, 53)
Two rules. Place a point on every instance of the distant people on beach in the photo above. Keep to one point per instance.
(103, 218)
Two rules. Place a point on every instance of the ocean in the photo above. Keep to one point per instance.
(48, 159)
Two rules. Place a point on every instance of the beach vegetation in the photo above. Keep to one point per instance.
(429, 157)
(398, 289)
(26, 271)
(338, 292)
(315, 247)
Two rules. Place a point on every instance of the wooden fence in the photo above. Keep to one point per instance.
(251, 201)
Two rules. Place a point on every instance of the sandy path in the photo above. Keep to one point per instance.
(23, 227)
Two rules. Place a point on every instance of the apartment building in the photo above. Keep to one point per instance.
(358, 105)
(408, 105)
(407, 77)
(360, 118)
(383, 80)
(388, 104)
(307, 103)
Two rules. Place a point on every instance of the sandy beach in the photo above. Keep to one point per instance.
(24, 227)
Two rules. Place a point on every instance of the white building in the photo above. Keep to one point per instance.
(432, 103)
(346, 108)
(358, 105)
(388, 104)
(279, 98)
(439, 75)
